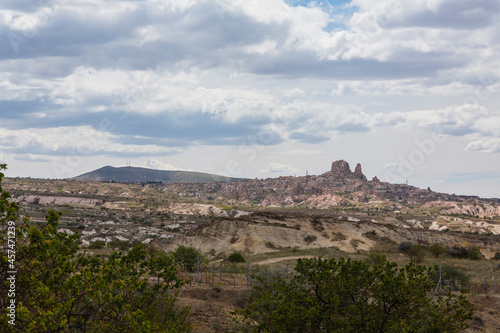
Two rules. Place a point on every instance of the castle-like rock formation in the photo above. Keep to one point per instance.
(341, 169)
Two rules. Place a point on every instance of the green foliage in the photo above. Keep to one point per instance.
(309, 239)
(187, 257)
(97, 245)
(236, 257)
(8, 208)
(458, 252)
(496, 256)
(438, 250)
(416, 252)
(375, 258)
(119, 244)
(352, 296)
(451, 276)
(403, 246)
(474, 254)
(463, 253)
(61, 290)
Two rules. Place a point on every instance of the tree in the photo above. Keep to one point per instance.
(438, 250)
(416, 253)
(352, 296)
(97, 245)
(187, 256)
(474, 253)
(236, 257)
(58, 289)
(451, 277)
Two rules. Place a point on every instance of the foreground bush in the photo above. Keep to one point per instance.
(60, 290)
(352, 296)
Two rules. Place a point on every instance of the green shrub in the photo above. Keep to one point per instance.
(416, 252)
(456, 277)
(236, 257)
(97, 245)
(403, 246)
(496, 256)
(438, 250)
(375, 258)
(187, 257)
(120, 244)
(474, 254)
(309, 239)
(458, 252)
(353, 296)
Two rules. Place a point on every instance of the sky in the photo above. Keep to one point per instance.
(254, 89)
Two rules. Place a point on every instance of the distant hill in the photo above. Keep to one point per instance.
(144, 175)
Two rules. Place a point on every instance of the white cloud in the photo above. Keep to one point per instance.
(78, 141)
(456, 120)
(486, 146)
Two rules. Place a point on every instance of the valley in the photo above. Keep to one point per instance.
(272, 222)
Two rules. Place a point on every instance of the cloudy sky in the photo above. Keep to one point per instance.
(254, 88)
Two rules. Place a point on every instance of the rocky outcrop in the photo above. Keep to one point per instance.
(340, 169)
(205, 210)
(482, 210)
(359, 173)
(56, 200)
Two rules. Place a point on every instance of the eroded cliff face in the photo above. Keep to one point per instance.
(58, 200)
(267, 233)
(482, 210)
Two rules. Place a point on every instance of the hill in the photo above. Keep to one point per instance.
(144, 175)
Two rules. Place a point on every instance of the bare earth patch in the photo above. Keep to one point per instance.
(275, 260)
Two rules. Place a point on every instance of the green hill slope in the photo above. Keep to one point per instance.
(143, 175)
